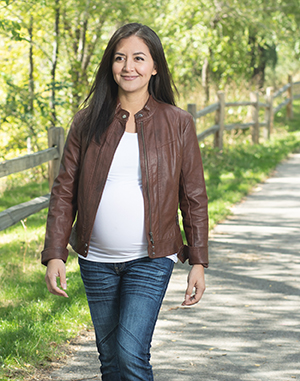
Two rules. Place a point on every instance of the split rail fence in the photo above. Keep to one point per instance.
(219, 108)
(56, 140)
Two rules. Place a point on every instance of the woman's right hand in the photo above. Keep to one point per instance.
(56, 268)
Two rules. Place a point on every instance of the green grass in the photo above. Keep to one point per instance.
(232, 174)
(33, 322)
(15, 194)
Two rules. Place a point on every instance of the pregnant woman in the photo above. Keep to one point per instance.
(131, 157)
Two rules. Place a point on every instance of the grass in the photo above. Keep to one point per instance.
(232, 174)
(33, 322)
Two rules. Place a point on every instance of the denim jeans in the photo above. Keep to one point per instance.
(124, 301)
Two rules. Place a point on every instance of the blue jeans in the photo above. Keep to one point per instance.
(124, 301)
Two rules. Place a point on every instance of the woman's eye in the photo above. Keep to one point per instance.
(139, 58)
(119, 58)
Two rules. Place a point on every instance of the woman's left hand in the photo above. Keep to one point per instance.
(195, 280)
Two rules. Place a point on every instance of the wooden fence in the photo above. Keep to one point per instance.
(52, 155)
(56, 142)
(219, 108)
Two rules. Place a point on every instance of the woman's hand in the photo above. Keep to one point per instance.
(56, 268)
(195, 280)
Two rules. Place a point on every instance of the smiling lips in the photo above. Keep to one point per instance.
(129, 77)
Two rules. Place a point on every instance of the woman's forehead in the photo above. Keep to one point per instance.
(133, 44)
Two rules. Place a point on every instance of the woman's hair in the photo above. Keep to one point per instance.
(101, 101)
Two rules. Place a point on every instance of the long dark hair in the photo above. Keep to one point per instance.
(101, 101)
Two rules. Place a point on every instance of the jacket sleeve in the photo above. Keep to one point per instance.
(193, 199)
(63, 200)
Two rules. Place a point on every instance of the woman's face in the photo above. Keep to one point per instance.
(132, 66)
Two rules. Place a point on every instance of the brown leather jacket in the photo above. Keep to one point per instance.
(172, 174)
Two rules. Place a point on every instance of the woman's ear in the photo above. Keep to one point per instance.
(154, 70)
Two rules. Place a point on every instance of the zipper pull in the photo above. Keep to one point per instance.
(152, 241)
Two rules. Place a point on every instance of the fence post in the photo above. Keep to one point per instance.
(254, 97)
(269, 116)
(192, 109)
(28, 142)
(219, 120)
(289, 106)
(56, 137)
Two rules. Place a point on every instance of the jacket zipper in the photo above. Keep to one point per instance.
(148, 190)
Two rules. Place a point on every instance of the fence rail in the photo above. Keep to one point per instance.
(282, 90)
(219, 108)
(52, 155)
(208, 110)
(282, 104)
(17, 213)
(28, 161)
(236, 104)
(242, 126)
(208, 132)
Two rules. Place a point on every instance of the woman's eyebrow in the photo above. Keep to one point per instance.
(135, 54)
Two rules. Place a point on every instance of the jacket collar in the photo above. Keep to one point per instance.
(146, 112)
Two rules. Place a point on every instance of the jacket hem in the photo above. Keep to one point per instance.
(54, 253)
(195, 255)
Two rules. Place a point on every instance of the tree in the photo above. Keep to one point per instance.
(50, 50)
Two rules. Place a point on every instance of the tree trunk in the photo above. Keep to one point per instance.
(81, 49)
(31, 85)
(205, 80)
(54, 64)
(258, 61)
(31, 68)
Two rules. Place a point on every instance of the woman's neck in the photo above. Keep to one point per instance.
(132, 103)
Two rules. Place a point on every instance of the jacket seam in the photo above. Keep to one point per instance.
(186, 196)
(158, 185)
(189, 210)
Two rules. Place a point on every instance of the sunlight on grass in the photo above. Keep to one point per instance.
(31, 318)
(231, 175)
(33, 322)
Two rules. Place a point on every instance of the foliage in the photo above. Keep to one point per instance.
(49, 51)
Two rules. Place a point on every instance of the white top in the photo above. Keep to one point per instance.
(119, 233)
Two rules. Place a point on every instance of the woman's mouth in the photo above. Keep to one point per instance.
(129, 77)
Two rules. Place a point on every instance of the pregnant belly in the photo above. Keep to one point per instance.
(119, 224)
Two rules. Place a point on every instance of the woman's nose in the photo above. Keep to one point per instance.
(128, 65)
